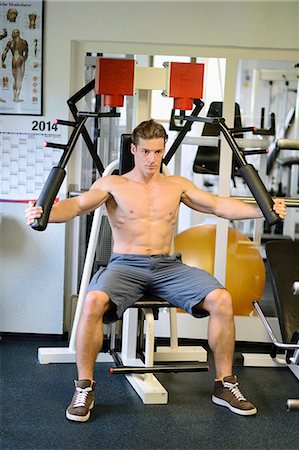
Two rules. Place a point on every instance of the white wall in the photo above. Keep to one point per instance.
(174, 26)
(223, 29)
(247, 24)
(32, 268)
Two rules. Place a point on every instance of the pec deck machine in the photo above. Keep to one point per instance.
(114, 79)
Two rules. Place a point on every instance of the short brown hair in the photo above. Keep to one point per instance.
(149, 129)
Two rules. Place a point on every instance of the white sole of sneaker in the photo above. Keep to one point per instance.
(241, 412)
(77, 418)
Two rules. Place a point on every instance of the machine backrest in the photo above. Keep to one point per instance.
(126, 159)
(283, 262)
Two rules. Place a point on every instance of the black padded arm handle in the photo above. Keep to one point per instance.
(260, 193)
(47, 197)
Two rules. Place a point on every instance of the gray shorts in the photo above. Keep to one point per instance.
(127, 277)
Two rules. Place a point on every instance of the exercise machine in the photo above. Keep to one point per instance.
(249, 174)
(283, 260)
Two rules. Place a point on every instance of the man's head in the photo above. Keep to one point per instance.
(148, 146)
(149, 129)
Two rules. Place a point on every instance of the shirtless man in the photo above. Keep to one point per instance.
(142, 206)
(19, 50)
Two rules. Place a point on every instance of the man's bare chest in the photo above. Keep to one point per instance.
(154, 203)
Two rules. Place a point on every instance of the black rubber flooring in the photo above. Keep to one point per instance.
(34, 398)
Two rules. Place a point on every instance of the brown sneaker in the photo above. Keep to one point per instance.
(228, 394)
(82, 401)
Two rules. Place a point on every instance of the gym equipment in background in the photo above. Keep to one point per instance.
(283, 260)
(274, 148)
(288, 163)
(247, 171)
(57, 174)
(207, 158)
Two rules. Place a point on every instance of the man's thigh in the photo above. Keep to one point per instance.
(123, 284)
(184, 286)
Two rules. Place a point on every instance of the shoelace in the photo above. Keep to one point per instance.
(235, 390)
(81, 396)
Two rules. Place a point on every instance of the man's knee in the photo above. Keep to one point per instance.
(219, 302)
(96, 303)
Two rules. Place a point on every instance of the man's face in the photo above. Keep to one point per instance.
(148, 154)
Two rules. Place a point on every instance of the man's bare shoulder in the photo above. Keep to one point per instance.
(183, 182)
(108, 183)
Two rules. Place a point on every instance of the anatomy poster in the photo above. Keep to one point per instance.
(21, 34)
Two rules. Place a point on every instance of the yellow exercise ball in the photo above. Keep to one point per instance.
(245, 269)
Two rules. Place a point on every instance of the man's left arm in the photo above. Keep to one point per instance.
(226, 207)
(231, 208)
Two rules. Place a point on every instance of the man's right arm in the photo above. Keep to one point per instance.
(67, 209)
